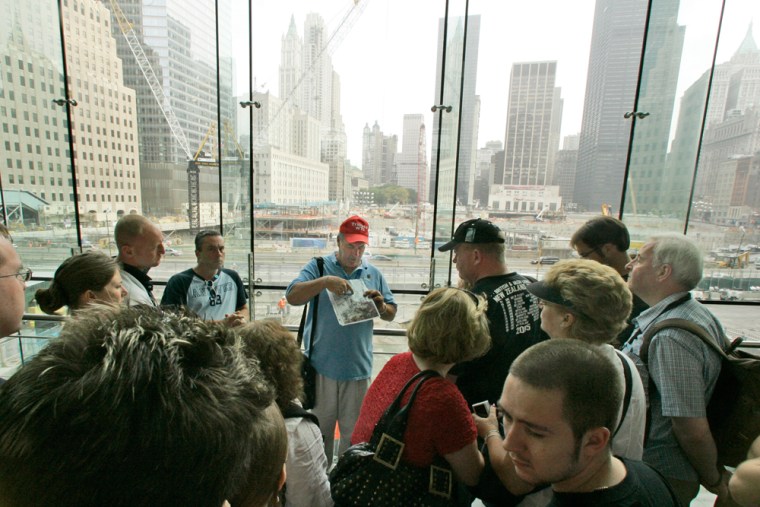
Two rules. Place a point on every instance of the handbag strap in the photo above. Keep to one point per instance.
(628, 390)
(321, 267)
(393, 420)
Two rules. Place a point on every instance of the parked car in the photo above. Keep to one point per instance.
(545, 260)
(381, 258)
(173, 252)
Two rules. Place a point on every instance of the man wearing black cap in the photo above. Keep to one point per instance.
(513, 313)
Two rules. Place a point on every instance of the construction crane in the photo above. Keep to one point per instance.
(150, 76)
(200, 159)
(230, 138)
(194, 161)
(204, 159)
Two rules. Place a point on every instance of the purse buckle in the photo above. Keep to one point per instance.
(389, 451)
(440, 481)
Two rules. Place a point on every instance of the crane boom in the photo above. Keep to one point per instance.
(155, 86)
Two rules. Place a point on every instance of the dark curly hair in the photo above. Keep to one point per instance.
(133, 406)
(279, 357)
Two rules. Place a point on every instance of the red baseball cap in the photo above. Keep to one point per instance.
(355, 229)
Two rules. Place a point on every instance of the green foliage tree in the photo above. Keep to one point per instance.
(391, 194)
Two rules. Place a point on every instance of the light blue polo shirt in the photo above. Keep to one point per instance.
(341, 352)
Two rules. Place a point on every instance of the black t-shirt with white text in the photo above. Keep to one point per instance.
(514, 321)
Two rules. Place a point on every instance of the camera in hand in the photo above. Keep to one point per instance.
(482, 409)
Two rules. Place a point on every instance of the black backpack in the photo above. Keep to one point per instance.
(734, 408)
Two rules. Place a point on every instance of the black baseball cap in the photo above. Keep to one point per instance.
(476, 230)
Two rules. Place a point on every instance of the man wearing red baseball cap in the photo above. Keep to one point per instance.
(342, 355)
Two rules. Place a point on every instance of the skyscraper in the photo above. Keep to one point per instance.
(458, 152)
(378, 156)
(564, 170)
(534, 116)
(657, 96)
(732, 130)
(103, 123)
(309, 82)
(610, 89)
(179, 39)
(411, 163)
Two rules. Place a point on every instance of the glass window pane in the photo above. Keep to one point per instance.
(673, 89)
(42, 222)
(343, 128)
(454, 125)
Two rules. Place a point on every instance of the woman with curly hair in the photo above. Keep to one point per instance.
(82, 279)
(280, 360)
(450, 326)
(588, 301)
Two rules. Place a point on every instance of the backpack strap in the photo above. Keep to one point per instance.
(686, 325)
(628, 390)
(299, 338)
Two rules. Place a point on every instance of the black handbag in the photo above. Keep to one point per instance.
(308, 373)
(371, 474)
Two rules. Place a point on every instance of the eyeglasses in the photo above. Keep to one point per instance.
(585, 255)
(213, 298)
(23, 274)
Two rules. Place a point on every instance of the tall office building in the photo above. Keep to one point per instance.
(659, 78)
(103, 122)
(286, 161)
(484, 170)
(411, 162)
(179, 39)
(610, 89)
(564, 170)
(378, 156)
(450, 152)
(731, 131)
(309, 83)
(316, 88)
(534, 117)
(291, 62)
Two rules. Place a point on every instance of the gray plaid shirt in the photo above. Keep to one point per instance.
(683, 372)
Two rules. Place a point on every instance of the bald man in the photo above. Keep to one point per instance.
(141, 247)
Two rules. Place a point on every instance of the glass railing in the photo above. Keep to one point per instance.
(738, 319)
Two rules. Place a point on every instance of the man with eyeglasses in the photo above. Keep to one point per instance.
(13, 278)
(606, 240)
(682, 369)
(210, 290)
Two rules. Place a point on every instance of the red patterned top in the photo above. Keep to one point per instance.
(439, 423)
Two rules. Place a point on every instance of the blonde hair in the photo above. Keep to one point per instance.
(450, 326)
(600, 298)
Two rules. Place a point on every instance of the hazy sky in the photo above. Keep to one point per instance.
(387, 60)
